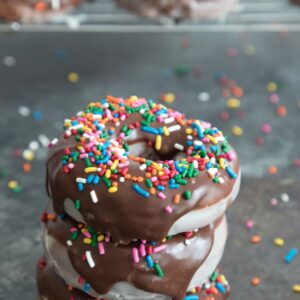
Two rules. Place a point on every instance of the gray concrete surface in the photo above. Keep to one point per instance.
(124, 64)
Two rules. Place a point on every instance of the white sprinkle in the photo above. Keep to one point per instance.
(81, 180)
(54, 141)
(89, 259)
(169, 120)
(221, 180)
(94, 196)
(9, 61)
(34, 145)
(187, 242)
(179, 147)
(213, 160)
(24, 111)
(195, 164)
(189, 137)
(285, 197)
(97, 116)
(174, 128)
(55, 4)
(122, 179)
(142, 111)
(203, 96)
(78, 126)
(43, 140)
(143, 167)
(212, 171)
(79, 114)
(69, 243)
(15, 26)
(198, 143)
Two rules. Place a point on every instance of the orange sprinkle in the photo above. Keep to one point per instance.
(238, 91)
(140, 179)
(51, 217)
(115, 183)
(40, 6)
(113, 99)
(255, 281)
(176, 199)
(152, 191)
(134, 178)
(148, 175)
(272, 170)
(256, 239)
(127, 176)
(281, 111)
(27, 167)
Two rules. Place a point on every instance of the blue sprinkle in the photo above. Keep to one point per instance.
(174, 186)
(86, 287)
(140, 191)
(160, 187)
(199, 130)
(80, 186)
(208, 165)
(189, 143)
(37, 115)
(96, 180)
(221, 288)
(150, 130)
(90, 179)
(290, 256)
(149, 261)
(191, 297)
(231, 173)
(62, 216)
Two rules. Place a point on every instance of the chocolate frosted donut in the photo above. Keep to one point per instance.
(52, 287)
(92, 262)
(140, 170)
(180, 9)
(34, 10)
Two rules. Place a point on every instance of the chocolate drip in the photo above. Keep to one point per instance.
(178, 261)
(53, 287)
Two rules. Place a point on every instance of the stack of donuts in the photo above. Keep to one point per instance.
(181, 9)
(34, 11)
(138, 195)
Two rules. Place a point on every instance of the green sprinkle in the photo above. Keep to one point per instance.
(74, 235)
(77, 204)
(216, 180)
(158, 270)
(214, 276)
(187, 195)
(107, 182)
(87, 162)
(181, 181)
(148, 183)
(190, 171)
(126, 147)
(94, 239)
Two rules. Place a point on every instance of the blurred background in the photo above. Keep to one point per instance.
(238, 68)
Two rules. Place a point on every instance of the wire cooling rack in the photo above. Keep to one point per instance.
(105, 16)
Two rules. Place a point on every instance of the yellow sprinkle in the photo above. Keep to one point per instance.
(114, 165)
(237, 130)
(158, 142)
(169, 97)
(90, 169)
(87, 241)
(249, 50)
(161, 173)
(156, 166)
(222, 163)
(166, 131)
(107, 173)
(73, 77)
(272, 87)
(279, 242)
(233, 103)
(193, 291)
(134, 98)
(212, 139)
(164, 240)
(296, 288)
(222, 278)
(189, 131)
(113, 189)
(28, 155)
(100, 238)
(12, 184)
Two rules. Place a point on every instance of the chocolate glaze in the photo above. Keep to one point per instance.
(125, 214)
(24, 10)
(53, 287)
(178, 261)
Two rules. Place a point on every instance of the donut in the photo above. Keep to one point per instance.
(139, 170)
(34, 11)
(180, 9)
(52, 287)
(92, 262)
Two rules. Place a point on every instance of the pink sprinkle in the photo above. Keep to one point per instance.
(231, 155)
(122, 135)
(266, 128)
(83, 155)
(205, 140)
(70, 166)
(168, 209)
(159, 248)
(274, 201)
(160, 119)
(249, 224)
(154, 178)
(135, 255)
(92, 159)
(274, 98)
(296, 163)
(232, 52)
(87, 234)
(161, 195)
(73, 229)
(109, 163)
(101, 248)
(143, 250)
(189, 151)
